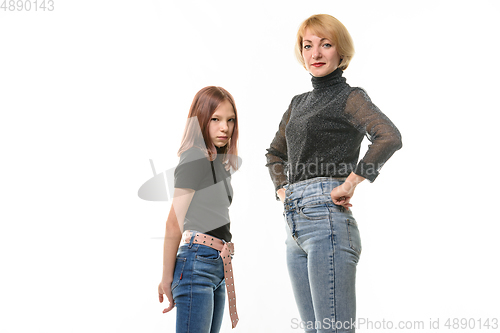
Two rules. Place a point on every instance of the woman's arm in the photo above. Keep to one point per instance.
(385, 138)
(277, 157)
(173, 233)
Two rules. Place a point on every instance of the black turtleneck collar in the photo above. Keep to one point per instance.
(220, 150)
(333, 79)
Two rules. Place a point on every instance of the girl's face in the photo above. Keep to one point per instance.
(320, 55)
(221, 125)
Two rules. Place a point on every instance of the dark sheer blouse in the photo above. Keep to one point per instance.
(321, 132)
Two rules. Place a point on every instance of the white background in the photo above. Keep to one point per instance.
(94, 89)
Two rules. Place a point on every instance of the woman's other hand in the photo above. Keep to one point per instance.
(341, 195)
(281, 194)
(164, 289)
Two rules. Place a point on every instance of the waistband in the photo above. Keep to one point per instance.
(226, 251)
(310, 191)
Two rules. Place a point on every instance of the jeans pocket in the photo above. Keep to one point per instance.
(179, 269)
(314, 212)
(208, 255)
(354, 237)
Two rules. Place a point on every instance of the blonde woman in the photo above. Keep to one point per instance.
(313, 162)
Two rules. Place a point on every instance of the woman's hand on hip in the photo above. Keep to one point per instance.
(165, 289)
(281, 194)
(342, 195)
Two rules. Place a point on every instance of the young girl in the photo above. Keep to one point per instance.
(197, 273)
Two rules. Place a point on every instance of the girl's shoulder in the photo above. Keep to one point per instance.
(193, 154)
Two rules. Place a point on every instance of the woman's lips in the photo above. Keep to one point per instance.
(318, 64)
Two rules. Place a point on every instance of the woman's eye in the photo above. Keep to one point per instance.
(327, 45)
(307, 46)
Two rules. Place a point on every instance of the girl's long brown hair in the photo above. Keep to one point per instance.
(196, 133)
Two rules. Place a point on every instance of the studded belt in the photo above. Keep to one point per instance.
(226, 251)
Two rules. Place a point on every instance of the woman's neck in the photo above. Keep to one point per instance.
(329, 80)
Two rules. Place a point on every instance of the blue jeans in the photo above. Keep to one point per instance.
(198, 289)
(323, 249)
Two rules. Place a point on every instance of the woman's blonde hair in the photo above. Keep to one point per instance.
(196, 132)
(327, 26)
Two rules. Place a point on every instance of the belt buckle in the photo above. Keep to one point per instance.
(230, 247)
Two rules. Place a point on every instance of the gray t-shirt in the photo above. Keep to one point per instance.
(209, 209)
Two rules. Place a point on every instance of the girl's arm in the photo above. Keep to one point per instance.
(173, 233)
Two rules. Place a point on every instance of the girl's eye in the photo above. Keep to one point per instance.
(214, 119)
(232, 119)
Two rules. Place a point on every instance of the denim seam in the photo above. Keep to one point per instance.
(208, 260)
(333, 309)
(291, 226)
(220, 284)
(295, 237)
(172, 287)
(191, 286)
(320, 204)
(349, 223)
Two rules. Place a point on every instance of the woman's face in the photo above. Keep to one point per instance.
(320, 55)
(221, 124)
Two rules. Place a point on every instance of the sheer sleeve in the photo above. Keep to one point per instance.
(384, 136)
(277, 158)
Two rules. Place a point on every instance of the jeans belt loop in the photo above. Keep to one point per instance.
(191, 239)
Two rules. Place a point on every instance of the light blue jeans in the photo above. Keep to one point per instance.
(323, 249)
(199, 289)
